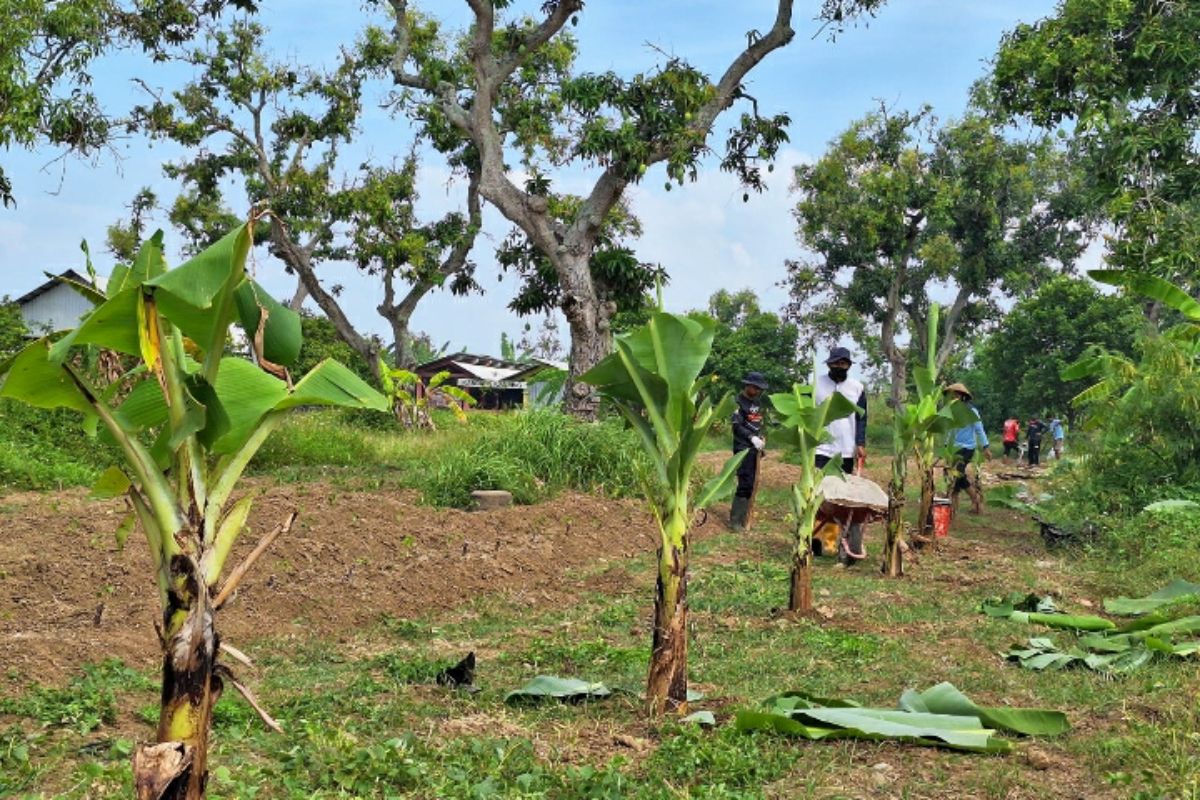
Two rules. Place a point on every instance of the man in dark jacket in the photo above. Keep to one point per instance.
(748, 422)
(1034, 432)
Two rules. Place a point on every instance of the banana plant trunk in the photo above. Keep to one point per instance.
(800, 597)
(925, 515)
(666, 687)
(176, 768)
(893, 550)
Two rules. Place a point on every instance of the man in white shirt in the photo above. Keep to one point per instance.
(847, 436)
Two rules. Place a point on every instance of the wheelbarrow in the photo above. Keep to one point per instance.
(850, 502)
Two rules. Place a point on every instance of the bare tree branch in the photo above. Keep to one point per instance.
(780, 35)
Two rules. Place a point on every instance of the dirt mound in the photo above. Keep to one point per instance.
(67, 594)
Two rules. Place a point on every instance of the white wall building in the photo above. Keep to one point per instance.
(55, 306)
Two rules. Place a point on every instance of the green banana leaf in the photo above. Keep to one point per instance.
(941, 716)
(1003, 607)
(705, 719)
(551, 687)
(1172, 505)
(1071, 622)
(946, 699)
(1174, 592)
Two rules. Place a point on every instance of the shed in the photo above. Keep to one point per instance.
(491, 381)
(544, 380)
(54, 306)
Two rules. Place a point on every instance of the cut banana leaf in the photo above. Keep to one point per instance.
(705, 719)
(1070, 622)
(1174, 592)
(550, 687)
(1003, 607)
(946, 699)
(878, 724)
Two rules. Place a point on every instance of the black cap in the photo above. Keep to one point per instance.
(755, 379)
(839, 354)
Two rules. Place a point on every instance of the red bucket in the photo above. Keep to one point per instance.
(941, 516)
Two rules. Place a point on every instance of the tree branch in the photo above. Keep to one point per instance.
(537, 37)
(952, 316)
(780, 35)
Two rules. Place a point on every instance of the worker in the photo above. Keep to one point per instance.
(747, 436)
(1056, 433)
(1012, 438)
(966, 441)
(847, 441)
(1034, 432)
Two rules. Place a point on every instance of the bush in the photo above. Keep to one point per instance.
(42, 449)
(534, 454)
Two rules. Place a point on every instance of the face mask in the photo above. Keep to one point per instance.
(838, 374)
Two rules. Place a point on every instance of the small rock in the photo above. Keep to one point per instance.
(490, 499)
(1087, 604)
(823, 593)
(1038, 759)
(824, 612)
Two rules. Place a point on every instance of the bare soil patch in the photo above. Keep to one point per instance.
(68, 595)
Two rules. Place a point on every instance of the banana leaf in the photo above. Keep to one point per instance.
(1071, 622)
(1003, 607)
(946, 699)
(1176, 591)
(705, 719)
(550, 687)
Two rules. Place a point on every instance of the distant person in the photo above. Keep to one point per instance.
(967, 440)
(747, 436)
(1012, 438)
(847, 436)
(1034, 431)
(1056, 433)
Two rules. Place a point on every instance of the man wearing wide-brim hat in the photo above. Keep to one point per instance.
(747, 423)
(967, 440)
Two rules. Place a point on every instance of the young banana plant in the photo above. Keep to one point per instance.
(803, 426)
(410, 399)
(194, 418)
(925, 447)
(653, 380)
(914, 425)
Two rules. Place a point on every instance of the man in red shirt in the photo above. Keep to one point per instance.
(1012, 433)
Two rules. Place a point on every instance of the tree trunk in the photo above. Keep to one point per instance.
(299, 296)
(176, 768)
(666, 688)
(800, 598)
(590, 322)
(893, 551)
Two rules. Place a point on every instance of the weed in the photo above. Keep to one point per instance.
(85, 703)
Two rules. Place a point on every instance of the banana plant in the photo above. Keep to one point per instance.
(187, 429)
(803, 425)
(913, 426)
(653, 379)
(925, 446)
(411, 399)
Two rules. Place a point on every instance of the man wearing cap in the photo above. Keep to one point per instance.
(847, 436)
(747, 435)
(967, 440)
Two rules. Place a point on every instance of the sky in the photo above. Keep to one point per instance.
(912, 53)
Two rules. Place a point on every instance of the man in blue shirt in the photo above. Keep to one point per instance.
(1056, 431)
(967, 440)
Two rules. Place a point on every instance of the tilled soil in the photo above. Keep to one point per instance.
(68, 595)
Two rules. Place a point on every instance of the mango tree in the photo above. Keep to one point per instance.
(188, 427)
(914, 425)
(653, 380)
(803, 426)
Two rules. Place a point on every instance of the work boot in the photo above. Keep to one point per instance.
(738, 512)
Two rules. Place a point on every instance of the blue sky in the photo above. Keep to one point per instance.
(913, 52)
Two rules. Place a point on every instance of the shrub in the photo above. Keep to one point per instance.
(534, 454)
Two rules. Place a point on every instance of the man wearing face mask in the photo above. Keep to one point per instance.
(847, 436)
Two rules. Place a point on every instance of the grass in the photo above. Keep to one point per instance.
(363, 717)
(533, 454)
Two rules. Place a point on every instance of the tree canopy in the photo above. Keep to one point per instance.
(898, 207)
(1017, 369)
(510, 88)
(749, 339)
(46, 53)
(1125, 76)
(280, 130)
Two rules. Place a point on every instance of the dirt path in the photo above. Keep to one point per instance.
(68, 595)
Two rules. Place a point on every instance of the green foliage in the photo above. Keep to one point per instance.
(749, 340)
(897, 205)
(321, 341)
(1122, 76)
(45, 57)
(13, 331)
(84, 704)
(534, 455)
(1018, 368)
